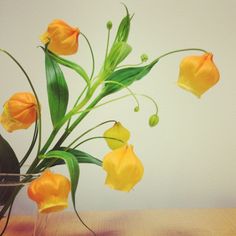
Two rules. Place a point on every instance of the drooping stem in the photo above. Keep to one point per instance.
(77, 121)
(97, 137)
(89, 130)
(37, 101)
(31, 145)
(92, 54)
(179, 50)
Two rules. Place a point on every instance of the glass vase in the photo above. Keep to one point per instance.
(10, 186)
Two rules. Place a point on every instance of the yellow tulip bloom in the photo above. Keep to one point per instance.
(198, 73)
(19, 112)
(62, 38)
(50, 191)
(123, 167)
(118, 131)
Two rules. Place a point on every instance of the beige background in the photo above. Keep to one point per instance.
(189, 157)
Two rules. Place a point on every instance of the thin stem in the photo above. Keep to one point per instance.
(126, 87)
(97, 137)
(80, 219)
(91, 50)
(89, 130)
(107, 46)
(179, 50)
(31, 145)
(150, 98)
(35, 94)
(77, 121)
(68, 124)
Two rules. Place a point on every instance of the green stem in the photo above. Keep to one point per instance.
(77, 121)
(89, 130)
(36, 97)
(31, 145)
(97, 137)
(91, 50)
(150, 98)
(107, 46)
(126, 87)
(176, 51)
(68, 124)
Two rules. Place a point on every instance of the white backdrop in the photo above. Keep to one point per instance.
(189, 158)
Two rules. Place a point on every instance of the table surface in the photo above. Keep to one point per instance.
(160, 222)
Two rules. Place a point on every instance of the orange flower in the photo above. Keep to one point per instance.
(123, 167)
(198, 73)
(50, 191)
(19, 112)
(62, 38)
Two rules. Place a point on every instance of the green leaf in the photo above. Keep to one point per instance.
(58, 93)
(74, 66)
(81, 157)
(8, 164)
(124, 28)
(72, 166)
(126, 77)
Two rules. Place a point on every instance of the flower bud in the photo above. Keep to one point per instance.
(136, 109)
(109, 25)
(153, 120)
(144, 57)
(62, 39)
(198, 73)
(123, 167)
(118, 131)
(19, 112)
(50, 191)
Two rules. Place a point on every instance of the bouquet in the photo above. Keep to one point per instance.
(197, 74)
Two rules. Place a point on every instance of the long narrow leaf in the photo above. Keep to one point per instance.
(57, 89)
(74, 66)
(126, 77)
(81, 157)
(72, 166)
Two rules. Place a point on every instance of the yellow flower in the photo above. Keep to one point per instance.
(50, 191)
(118, 131)
(19, 112)
(123, 167)
(198, 73)
(62, 38)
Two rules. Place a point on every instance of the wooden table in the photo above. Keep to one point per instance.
(163, 222)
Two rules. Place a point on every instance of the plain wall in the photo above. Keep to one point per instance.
(189, 158)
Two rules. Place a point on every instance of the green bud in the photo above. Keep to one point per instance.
(109, 25)
(153, 120)
(136, 109)
(117, 54)
(144, 57)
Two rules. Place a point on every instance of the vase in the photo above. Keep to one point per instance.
(10, 186)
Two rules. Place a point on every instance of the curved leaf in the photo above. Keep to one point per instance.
(77, 68)
(57, 89)
(8, 164)
(81, 157)
(126, 77)
(72, 166)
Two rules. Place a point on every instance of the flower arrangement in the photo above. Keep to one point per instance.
(124, 168)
